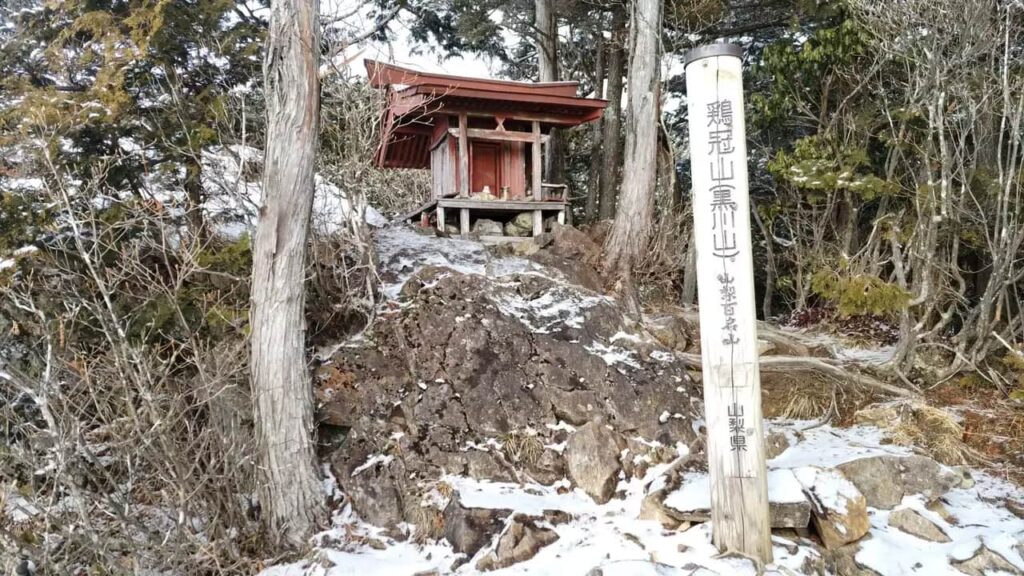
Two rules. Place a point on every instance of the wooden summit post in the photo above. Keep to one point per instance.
(728, 330)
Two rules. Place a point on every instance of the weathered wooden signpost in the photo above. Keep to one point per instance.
(721, 219)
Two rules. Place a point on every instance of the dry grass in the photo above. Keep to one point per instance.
(934, 430)
(522, 447)
(427, 516)
(801, 407)
(429, 522)
(796, 396)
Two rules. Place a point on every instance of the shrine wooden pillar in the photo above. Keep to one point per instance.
(463, 155)
(538, 193)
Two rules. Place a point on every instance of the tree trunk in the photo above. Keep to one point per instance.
(630, 231)
(612, 157)
(547, 71)
(194, 193)
(595, 138)
(769, 270)
(689, 291)
(290, 492)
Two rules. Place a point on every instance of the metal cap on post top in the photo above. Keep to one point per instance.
(709, 50)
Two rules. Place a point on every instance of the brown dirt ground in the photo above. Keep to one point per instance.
(993, 426)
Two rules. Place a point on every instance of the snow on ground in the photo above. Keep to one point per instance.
(891, 551)
(611, 536)
(828, 447)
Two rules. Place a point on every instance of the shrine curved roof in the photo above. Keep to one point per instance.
(416, 98)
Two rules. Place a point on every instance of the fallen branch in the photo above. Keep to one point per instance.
(777, 364)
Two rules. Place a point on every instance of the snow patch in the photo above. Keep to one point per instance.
(371, 462)
(612, 354)
(828, 447)
(559, 307)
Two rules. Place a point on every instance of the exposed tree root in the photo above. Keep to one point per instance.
(823, 366)
(789, 343)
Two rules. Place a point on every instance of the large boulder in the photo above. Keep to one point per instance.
(885, 480)
(839, 510)
(592, 455)
(690, 500)
(788, 506)
(843, 562)
(569, 242)
(670, 330)
(486, 227)
(470, 529)
(375, 486)
(912, 522)
(521, 541)
(521, 225)
(652, 507)
(985, 562)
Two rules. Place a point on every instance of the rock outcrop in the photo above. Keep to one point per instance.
(884, 480)
(592, 455)
(484, 366)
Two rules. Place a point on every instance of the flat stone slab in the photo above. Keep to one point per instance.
(788, 506)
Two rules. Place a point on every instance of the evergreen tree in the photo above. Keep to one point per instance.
(119, 89)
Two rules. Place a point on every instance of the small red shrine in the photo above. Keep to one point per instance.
(482, 140)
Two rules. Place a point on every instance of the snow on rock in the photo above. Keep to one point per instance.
(7, 263)
(693, 495)
(373, 461)
(556, 308)
(784, 488)
(611, 537)
(787, 503)
(403, 252)
(831, 490)
(612, 354)
(606, 536)
(839, 509)
(351, 548)
(533, 500)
